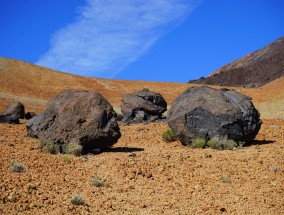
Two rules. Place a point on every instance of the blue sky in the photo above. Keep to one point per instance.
(156, 40)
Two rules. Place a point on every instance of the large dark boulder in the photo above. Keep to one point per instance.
(9, 119)
(76, 116)
(143, 106)
(17, 110)
(208, 113)
(13, 113)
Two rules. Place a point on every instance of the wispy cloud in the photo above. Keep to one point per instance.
(110, 34)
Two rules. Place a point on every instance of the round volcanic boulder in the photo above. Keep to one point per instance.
(79, 116)
(9, 119)
(143, 106)
(17, 110)
(208, 113)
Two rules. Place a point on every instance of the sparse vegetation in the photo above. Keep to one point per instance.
(97, 181)
(74, 148)
(221, 143)
(226, 179)
(50, 147)
(169, 136)
(17, 167)
(77, 200)
(274, 168)
(198, 143)
(67, 159)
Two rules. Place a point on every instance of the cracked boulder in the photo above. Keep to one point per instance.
(208, 113)
(143, 106)
(79, 116)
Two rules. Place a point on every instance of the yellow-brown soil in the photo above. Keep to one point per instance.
(143, 174)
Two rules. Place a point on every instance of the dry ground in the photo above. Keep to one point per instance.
(143, 174)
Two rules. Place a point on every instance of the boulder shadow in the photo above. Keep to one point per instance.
(260, 142)
(124, 149)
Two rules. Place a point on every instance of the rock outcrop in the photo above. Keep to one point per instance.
(254, 70)
(143, 106)
(208, 113)
(77, 116)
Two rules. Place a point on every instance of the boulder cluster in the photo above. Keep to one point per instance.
(88, 119)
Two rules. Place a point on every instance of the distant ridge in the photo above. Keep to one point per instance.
(254, 70)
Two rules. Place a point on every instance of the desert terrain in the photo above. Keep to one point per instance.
(143, 174)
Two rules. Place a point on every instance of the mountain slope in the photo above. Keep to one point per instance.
(253, 70)
(34, 86)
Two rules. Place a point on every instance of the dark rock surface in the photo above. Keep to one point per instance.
(143, 106)
(13, 113)
(30, 115)
(9, 119)
(254, 70)
(76, 115)
(17, 110)
(207, 113)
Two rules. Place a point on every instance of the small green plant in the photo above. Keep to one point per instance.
(169, 136)
(226, 179)
(274, 168)
(17, 167)
(50, 147)
(212, 143)
(221, 143)
(73, 148)
(198, 143)
(97, 181)
(67, 159)
(77, 200)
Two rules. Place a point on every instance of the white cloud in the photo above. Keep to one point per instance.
(110, 34)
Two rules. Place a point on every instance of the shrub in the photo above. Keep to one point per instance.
(226, 179)
(66, 159)
(212, 143)
(198, 143)
(97, 181)
(77, 200)
(50, 147)
(222, 143)
(17, 167)
(73, 148)
(274, 168)
(169, 136)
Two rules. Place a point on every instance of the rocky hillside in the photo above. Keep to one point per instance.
(34, 86)
(254, 70)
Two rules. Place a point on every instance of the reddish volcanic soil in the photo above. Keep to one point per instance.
(145, 175)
